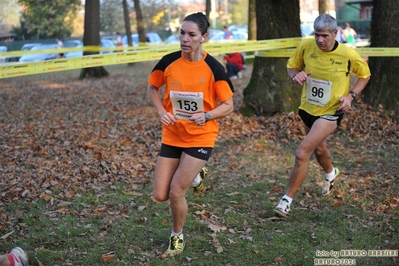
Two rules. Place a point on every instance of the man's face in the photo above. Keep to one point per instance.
(325, 39)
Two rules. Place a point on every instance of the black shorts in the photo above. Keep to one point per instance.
(309, 119)
(202, 153)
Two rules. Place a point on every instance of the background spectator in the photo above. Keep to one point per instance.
(60, 45)
(340, 35)
(118, 39)
(227, 33)
(234, 65)
(350, 35)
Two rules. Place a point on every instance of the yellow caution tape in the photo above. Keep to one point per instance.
(378, 52)
(370, 52)
(134, 54)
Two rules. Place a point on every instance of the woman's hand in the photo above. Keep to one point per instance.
(168, 119)
(198, 119)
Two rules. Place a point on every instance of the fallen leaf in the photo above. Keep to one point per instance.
(70, 194)
(216, 228)
(107, 257)
(219, 249)
(47, 198)
(7, 235)
(336, 204)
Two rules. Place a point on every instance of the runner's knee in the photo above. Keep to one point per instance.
(301, 156)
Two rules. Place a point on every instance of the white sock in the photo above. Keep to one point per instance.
(180, 234)
(288, 199)
(330, 176)
(196, 181)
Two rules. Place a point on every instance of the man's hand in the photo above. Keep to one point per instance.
(346, 103)
(301, 77)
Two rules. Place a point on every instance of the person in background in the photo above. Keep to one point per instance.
(341, 38)
(60, 45)
(350, 35)
(197, 92)
(118, 41)
(234, 65)
(227, 33)
(322, 66)
(17, 257)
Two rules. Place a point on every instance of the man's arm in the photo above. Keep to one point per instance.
(298, 76)
(346, 101)
(360, 85)
(292, 73)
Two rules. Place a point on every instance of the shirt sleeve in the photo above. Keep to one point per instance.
(296, 59)
(360, 67)
(157, 77)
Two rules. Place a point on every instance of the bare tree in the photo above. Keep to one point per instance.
(207, 8)
(127, 22)
(323, 6)
(251, 20)
(270, 90)
(140, 21)
(382, 88)
(91, 36)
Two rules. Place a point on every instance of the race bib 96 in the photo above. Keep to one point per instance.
(318, 91)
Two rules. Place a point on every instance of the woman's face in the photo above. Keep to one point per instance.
(190, 37)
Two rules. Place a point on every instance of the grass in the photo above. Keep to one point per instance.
(231, 224)
(94, 225)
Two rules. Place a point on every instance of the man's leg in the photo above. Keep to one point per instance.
(4, 260)
(315, 139)
(323, 157)
(316, 136)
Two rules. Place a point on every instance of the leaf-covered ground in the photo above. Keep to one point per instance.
(60, 136)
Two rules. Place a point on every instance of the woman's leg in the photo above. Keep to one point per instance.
(164, 172)
(185, 173)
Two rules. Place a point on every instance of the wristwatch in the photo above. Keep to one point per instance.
(207, 117)
(354, 94)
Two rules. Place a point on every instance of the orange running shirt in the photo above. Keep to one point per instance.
(191, 87)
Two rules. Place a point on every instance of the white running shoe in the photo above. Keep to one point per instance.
(328, 186)
(200, 188)
(19, 256)
(282, 208)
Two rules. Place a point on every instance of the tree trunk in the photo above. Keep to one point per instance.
(127, 26)
(251, 20)
(323, 6)
(270, 90)
(127, 22)
(140, 21)
(383, 86)
(91, 36)
(207, 8)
